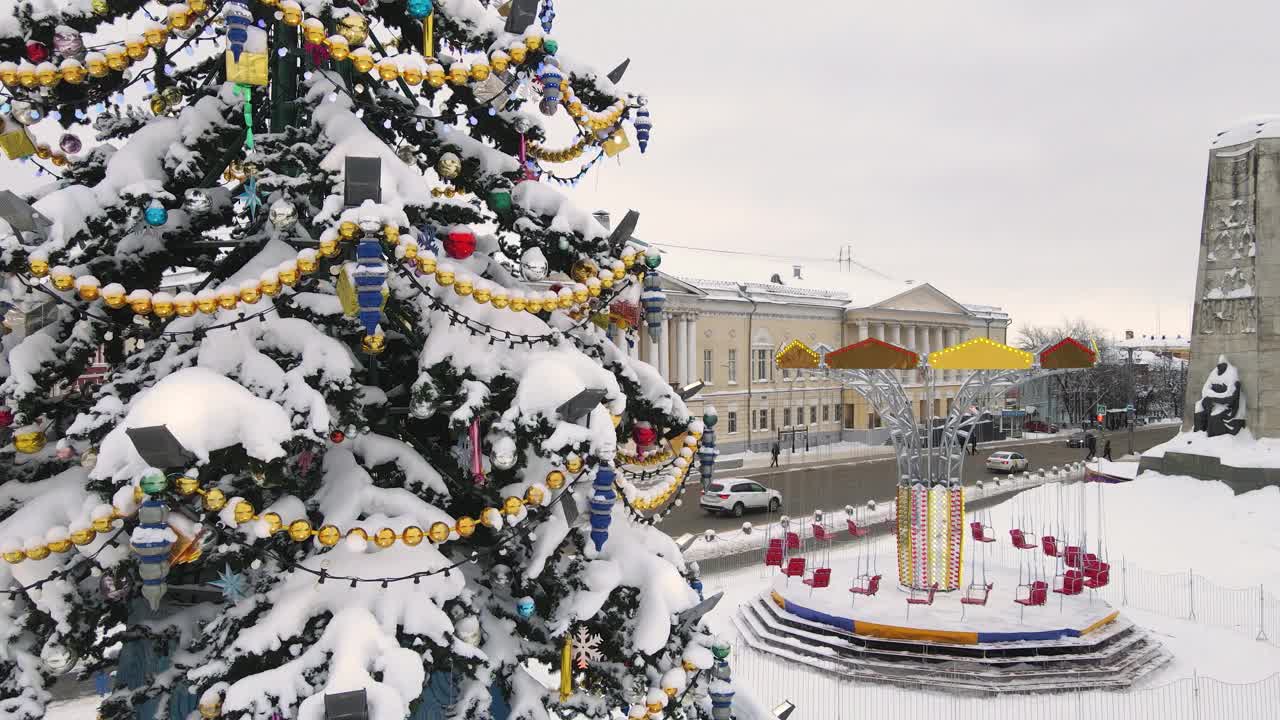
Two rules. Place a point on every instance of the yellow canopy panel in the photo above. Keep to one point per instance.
(872, 354)
(980, 354)
(795, 355)
(1068, 354)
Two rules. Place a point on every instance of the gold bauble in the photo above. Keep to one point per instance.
(463, 286)
(565, 301)
(438, 533)
(518, 304)
(444, 278)
(619, 273)
(391, 233)
(155, 37)
(573, 464)
(116, 59)
(384, 538)
(207, 304)
(289, 276)
(534, 495)
(459, 74)
(606, 281)
(435, 76)
(533, 305)
(274, 522)
(179, 17)
(479, 72)
(39, 552)
(29, 442)
(102, 524)
(306, 265)
(198, 6)
(186, 485)
(328, 247)
(300, 530)
(250, 294)
(60, 546)
(512, 505)
(270, 286)
(328, 535)
(83, 536)
(449, 166)
(499, 61)
(73, 73)
(347, 230)
(466, 526)
(291, 15)
(363, 62)
(209, 711)
(654, 707)
(583, 269)
(163, 308)
(427, 264)
(243, 512)
(388, 71)
(580, 294)
(89, 290)
(359, 533)
(354, 28)
(412, 76)
(670, 691)
(338, 48)
(39, 267)
(43, 151)
(135, 48)
(215, 500)
(27, 77)
(481, 295)
(533, 42)
(373, 344)
(555, 479)
(500, 299)
(628, 259)
(688, 666)
(517, 52)
(47, 75)
(412, 536)
(62, 279)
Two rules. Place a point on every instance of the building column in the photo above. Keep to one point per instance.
(664, 348)
(952, 337)
(876, 330)
(922, 339)
(861, 329)
(695, 362)
(936, 340)
(682, 350)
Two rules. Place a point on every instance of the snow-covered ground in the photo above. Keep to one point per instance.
(1242, 450)
(1165, 530)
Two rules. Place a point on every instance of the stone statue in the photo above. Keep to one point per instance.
(1220, 409)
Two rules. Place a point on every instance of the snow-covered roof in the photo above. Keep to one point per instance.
(1151, 342)
(856, 286)
(1247, 129)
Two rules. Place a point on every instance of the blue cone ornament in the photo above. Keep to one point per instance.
(653, 300)
(602, 501)
(151, 541)
(551, 79)
(239, 18)
(643, 123)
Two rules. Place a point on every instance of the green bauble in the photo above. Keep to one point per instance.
(153, 481)
(551, 46)
(720, 649)
(653, 261)
(500, 201)
(710, 419)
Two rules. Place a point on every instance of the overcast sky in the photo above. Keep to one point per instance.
(1046, 157)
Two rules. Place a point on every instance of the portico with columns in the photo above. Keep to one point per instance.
(726, 333)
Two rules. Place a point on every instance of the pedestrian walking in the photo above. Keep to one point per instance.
(1091, 445)
(775, 450)
(1106, 449)
(973, 441)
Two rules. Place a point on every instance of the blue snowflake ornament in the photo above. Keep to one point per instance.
(250, 198)
(232, 584)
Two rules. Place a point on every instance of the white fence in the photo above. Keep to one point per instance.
(829, 697)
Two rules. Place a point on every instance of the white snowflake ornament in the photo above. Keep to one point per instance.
(586, 648)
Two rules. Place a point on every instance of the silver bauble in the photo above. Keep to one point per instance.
(67, 42)
(467, 630)
(282, 214)
(88, 459)
(196, 201)
(58, 659)
(70, 144)
(408, 154)
(25, 113)
(501, 575)
(448, 166)
(533, 265)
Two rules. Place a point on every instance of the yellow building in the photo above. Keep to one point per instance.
(724, 324)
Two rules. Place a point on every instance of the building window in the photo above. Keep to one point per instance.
(732, 366)
(762, 365)
(813, 414)
(826, 413)
(708, 368)
(733, 422)
(786, 417)
(786, 374)
(763, 420)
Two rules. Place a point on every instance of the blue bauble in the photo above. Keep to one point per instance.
(419, 9)
(156, 215)
(524, 607)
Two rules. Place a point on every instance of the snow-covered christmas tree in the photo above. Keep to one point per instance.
(365, 443)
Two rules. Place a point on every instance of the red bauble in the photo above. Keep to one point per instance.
(337, 436)
(645, 436)
(37, 52)
(6, 417)
(460, 243)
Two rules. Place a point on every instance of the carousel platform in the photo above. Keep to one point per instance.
(1069, 643)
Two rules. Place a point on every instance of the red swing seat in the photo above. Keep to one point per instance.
(1090, 563)
(1049, 544)
(979, 532)
(870, 585)
(1072, 583)
(793, 541)
(794, 568)
(821, 578)
(773, 557)
(1020, 540)
(913, 599)
(775, 543)
(1099, 578)
(856, 531)
(979, 597)
(1074, 556)
(1037, 594)
(821, 533)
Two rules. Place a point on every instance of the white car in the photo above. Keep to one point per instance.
(1009, 462)
(737, 495)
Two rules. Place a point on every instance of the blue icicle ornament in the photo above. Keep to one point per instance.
(551, 79)
(653, 300)
(370, 279)
(239, 18)
(642, 124)
(707, 450)
(602, 505)
(548, 16)
(151, 541)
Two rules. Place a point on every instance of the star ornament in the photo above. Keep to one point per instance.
(250, 198)
(232, 584)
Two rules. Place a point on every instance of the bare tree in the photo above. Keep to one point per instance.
(1079, 391)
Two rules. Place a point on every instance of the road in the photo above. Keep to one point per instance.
(853, 482)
